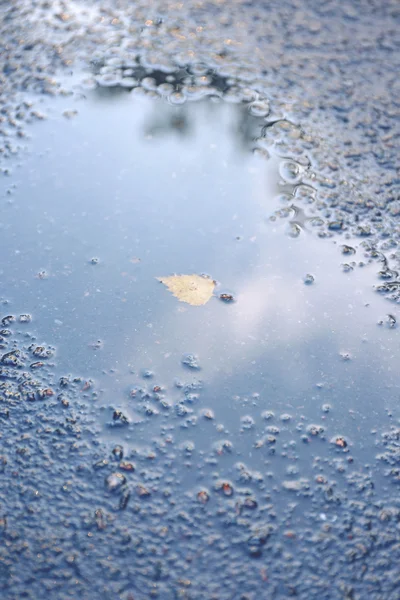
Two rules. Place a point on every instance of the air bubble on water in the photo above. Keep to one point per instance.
(364, 230)
(227, 297)
(149, 83)
(272, 429)
(386, 273)
(290, 171)
(347, 249)
(286, 417)
(305, 193)
(294, 230)
(315, 430)
(391, 321)
(223, 447)
(261, 153)
(111, 79)
(25, 318)
(199, 69)
(7, 320)
(283, 198)
(165, 404)
(267, 415)
(191, 361)
(247, 422)
(182, 410)
(259, 108)
(263, 145)
(147, 374)
(197, 92)
(191, 398)
(335, 225)
(348, 267)
(165, 89)
(128, 82)
(176, 98)
(292, 470)
(42, 274)
(139, 91)
(248, 503)
(282, 213)
(247, 94)
(149, 410)
(207, 414)
(308, 279)
(97, 345)
(187, 446)
(41, 351)
(315, 222)
(205, 81)
(113, 61)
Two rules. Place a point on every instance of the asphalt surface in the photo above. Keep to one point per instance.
(241, 450)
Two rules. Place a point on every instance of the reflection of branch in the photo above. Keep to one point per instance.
(247, 128)
(171, 119)
(166, 118)
(182, 120)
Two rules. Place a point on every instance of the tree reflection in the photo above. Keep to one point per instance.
(180, 119)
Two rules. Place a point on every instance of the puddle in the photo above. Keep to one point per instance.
(132, 189)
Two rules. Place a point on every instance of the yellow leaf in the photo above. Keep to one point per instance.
(193, 289)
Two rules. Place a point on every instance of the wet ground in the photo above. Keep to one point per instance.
(247, 448)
